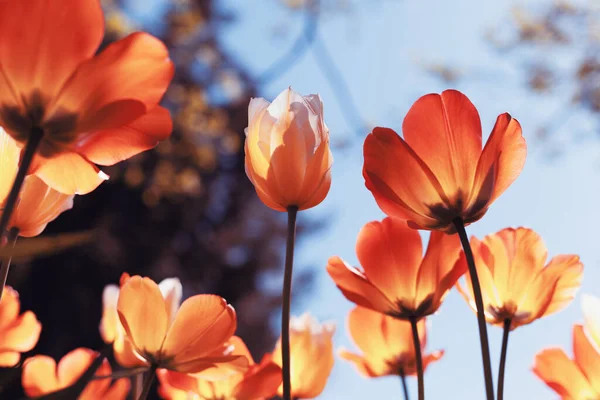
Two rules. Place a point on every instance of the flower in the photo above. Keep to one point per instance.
(572, 379)
(515, 285)
(591, 313)
(311, 355)
(386, 343)
(194, 340)
(259, 382)
(41, 376)
(18, 333)
(89, 109)
(288, 159)
(397, 279)
(38, 203)
(111, 329)
(439, 172)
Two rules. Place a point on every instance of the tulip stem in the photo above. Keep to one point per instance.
(287, 295)
(507, 323)
(417, 345)
(35, 137)
(138, 384)
(148, 382)
(483, 336)
(13, 234)
(404, 387)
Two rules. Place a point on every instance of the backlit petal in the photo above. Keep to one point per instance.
(22, 335)
(9, 162)
(587, 357)
(590, 306)
(261, 382)
(39, 376)
(562, 374)
(172, 291)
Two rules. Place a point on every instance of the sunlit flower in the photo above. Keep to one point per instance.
(514, 282)
(572, 379)
(259, 382)
(113, 332)
(89, 109)
(38, 203)
(41, 376)
(397, 279)
(18, 333)
(194, 340)
(311, 354)
(590, 306)
(439, 172)
(386, 343)
(287, 150)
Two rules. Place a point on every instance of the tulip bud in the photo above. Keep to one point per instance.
(288, 159)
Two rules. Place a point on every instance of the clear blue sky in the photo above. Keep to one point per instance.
(376, 46)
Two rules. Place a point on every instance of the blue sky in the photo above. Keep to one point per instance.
(376, 47)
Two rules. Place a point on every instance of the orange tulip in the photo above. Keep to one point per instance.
(439, 172)
(397, 279)
(112, 330)
(591, 312)
(194, 340)
(41, 376)
(287, 151)
(311, 352)
(18, 333)
(259, 382)
(514, 282)
(38, 203)
(89, 109)
(386, 343)
(572, 379)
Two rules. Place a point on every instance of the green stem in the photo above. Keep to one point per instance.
(404, 387)
(507, 323)
(148, 382)
(287, 295)
(483, 336)
(418, 356)
(13, 234)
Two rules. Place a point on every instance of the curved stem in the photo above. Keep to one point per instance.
(483, 336)
(507, 323)
(287, 295)
(417, 344)
(404, 387)
(148, 383)
(13, 234)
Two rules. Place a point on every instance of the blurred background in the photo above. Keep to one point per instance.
(187, 209)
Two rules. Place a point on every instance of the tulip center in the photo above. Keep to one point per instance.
(20, 122)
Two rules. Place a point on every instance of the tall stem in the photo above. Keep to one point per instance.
(287, 295)
(35, 137)
(13, 234)
(404, 387)
(417, 345)
(483, 336)
(138, 382)
(507, 323)
(148, 382)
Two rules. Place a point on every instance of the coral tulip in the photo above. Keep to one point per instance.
(259, 382)
(386, 343)
(572, 379)
(41, 376)
(287, 151)
(193, 340)
(397, 279)
(515, 284)
(590, 306)
(311, 348)
(18, 333)
(439, 173)
(76, 109)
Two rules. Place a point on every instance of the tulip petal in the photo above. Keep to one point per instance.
(69, 173)
(214, 368)
(390, 253)
(73, 365)
(108, 147)
(133, 70)
(143, 314)
(568, 271)
(562, 374)
(362, 365)
(43, 43)
(118, 390)
(108, 324)
(445, 131)
(357, 288)
(39, 376)
(255, 108)
(9, 358)
(202, 324)
(262, 382)
(408, 190)
(591, 312)
(501, 161)
(9, 307)
(9, 162)
(587, 357)
(172, 291)
(22, 334)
